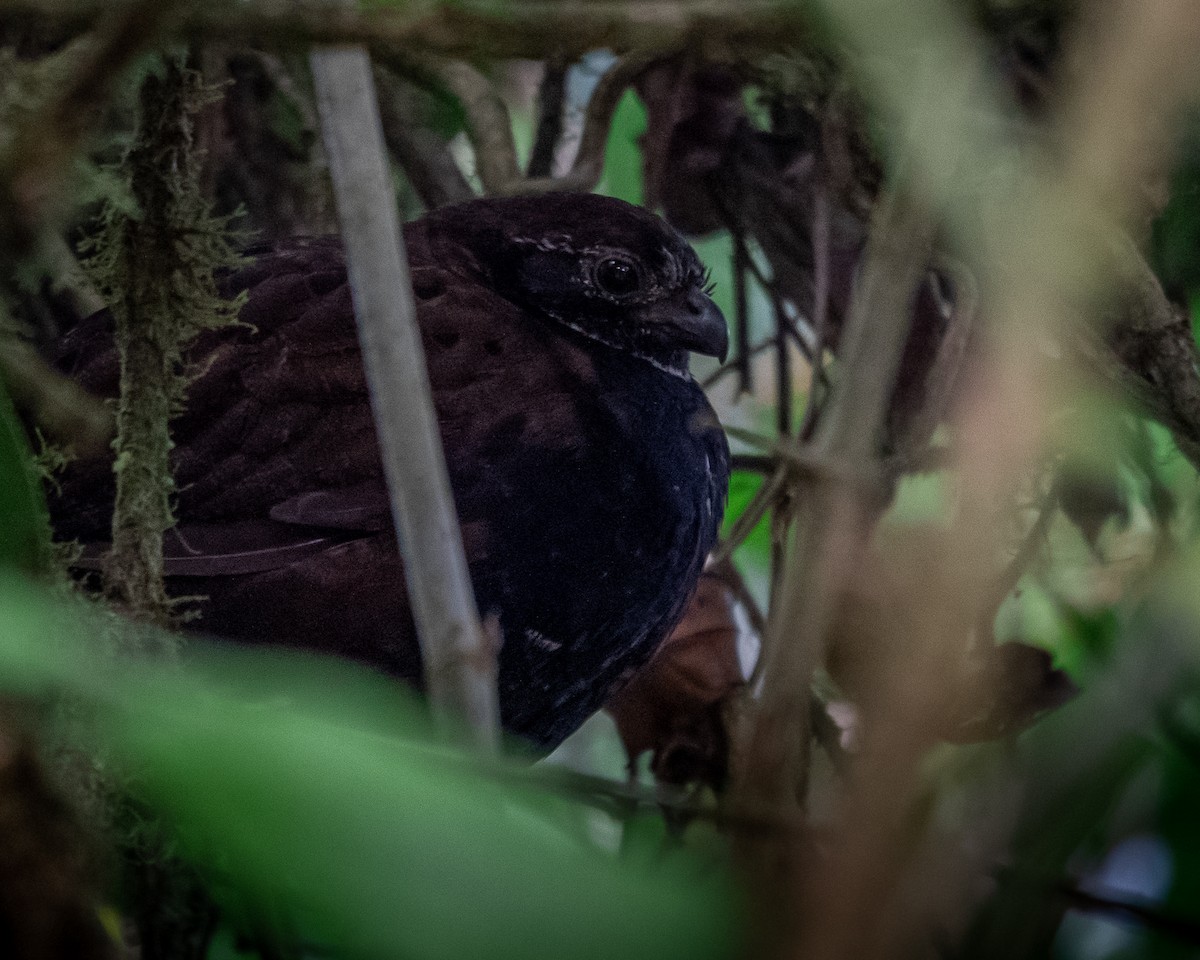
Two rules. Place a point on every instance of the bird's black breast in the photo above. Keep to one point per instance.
(600, 541)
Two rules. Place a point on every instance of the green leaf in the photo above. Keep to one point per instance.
(743, 487)
(309, 789)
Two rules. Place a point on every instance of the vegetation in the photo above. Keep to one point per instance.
(959, 246)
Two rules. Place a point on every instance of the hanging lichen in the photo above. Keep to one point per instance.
(157, 267)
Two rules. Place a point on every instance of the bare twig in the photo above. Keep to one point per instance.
(822, 284)
(945, 373)
(1148, 350)
(765, 500)
(460, 666)
(741, 322)
(783, 372)
(775, 747)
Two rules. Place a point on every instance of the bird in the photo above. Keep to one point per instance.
(588, 469)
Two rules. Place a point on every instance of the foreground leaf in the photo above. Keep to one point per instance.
(308, 789)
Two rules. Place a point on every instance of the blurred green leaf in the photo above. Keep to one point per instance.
(1089, 638)
(287, 121)
(622, 154)
(743, 486)
(716, 253)
(24, 524)
(644, 838)
(309, 788)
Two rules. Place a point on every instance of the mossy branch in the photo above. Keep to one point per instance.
(157, 268)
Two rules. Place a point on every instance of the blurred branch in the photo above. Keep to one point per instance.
(49, 897)
(741, 363)
(1149, 351)
(459, 660)
(1037, 234)
(822, 286)
(489, 126)
(1032, 544)
(512, 31)
(32, 168)
(83, 424)
(735, 365)
(426, 159)
(774, 751)
(944, 380)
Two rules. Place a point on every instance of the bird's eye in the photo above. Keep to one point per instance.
(617, 278)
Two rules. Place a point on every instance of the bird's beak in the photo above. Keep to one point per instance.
(690, 321)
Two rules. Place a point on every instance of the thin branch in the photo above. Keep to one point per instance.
(588, 165)
(1112, 903)
(943, 379)
(1011, 575)
(741, 321)
(766, 499)
(822, 227)
(754, 463)
(1148, 351)
(775, 745)
(460, 665)
(822, 283)
(551, 96)
(783, 373)
(489, 126)
(733, 366)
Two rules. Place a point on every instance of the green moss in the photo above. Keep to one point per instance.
(156, 265)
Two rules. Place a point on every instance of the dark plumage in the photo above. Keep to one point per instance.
(587, 467)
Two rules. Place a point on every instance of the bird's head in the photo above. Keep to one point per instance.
(612, 271)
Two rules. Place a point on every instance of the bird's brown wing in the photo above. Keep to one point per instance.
(275, 442)
(282, 508)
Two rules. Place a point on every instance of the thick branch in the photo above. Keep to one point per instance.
(460, 668)
(513, 31)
